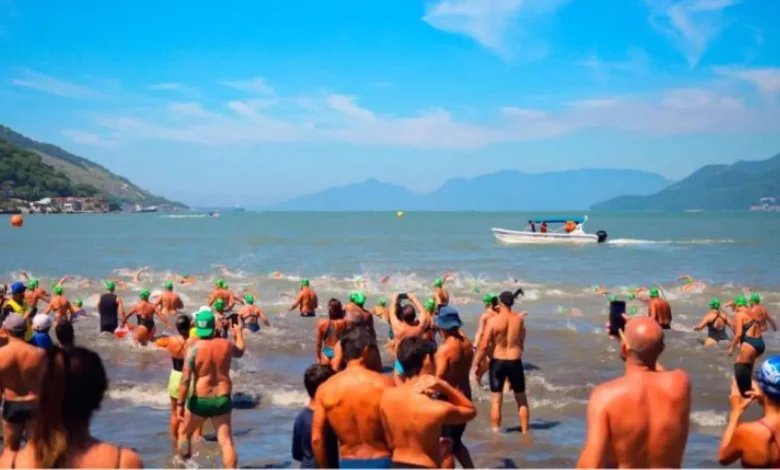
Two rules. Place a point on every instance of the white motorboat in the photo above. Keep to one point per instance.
(538, 232)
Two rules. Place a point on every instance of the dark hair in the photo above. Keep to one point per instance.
(412, 352)
(72, 390)
(183, 325)
(335, 309)
(508, 298)
(65, 334)
(407, 312)
(315, 376)
(354, 342)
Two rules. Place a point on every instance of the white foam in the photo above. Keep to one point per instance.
(153, 395)
(633, 241)
(287, 398)
(709, 418)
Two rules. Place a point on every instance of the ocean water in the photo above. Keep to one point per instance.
(381, 253)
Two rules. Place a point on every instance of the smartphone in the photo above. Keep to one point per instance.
(617, 323)
(402, 296)
(233, 318)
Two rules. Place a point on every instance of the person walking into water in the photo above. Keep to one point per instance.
(110, 308)
(761, 313)
(169, 302)
(440, 295)
(329, 331)
(454, 358)
(716, 322)
(306, 302)
(405, 324)
(207, 367)
(506, 331)
(659, 309)
(640, 420)
(251, 315)
(146, 312)
(177, 348)
(490, 302)
(349, 403)
(747, 336)
(60, 305)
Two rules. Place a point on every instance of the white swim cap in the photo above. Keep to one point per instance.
(41, 322)
(204, 308)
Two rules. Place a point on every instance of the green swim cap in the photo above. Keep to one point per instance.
(186, 276)
(359, 299)
(612, 298)
(430, 305)
(633, 311)
(219, 304)
(57, 290)
(145, 294)
(755, 298)
(219, 283)
(631, 296)
(249, 298)
(382, 302)
(34, 283)
(110, 285)
(78, 303)
(438, 282)
(169, 285)
(304, 282)
(740, 301)
(654, 293)
(715, 303)
(488, 299)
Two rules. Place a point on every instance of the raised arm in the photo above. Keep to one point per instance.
(424, 317)
(595, 450)
(394, 321)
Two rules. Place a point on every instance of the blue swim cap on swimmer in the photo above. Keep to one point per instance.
(768, 376)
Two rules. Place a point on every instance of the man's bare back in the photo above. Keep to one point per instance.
(307, 301)
(660, 310)
(61, 307)
(211, 367)
(21, 371)
(506, 332)
(169, 303)
(454, 358)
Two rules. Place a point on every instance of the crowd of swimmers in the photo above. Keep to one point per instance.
(641, 419)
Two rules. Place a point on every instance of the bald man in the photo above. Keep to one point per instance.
(640, 420)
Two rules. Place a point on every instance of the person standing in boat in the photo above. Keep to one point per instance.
(543, 228)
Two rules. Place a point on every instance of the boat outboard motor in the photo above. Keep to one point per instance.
(602, 236)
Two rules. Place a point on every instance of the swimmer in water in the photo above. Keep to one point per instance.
(659, 309)
(747, 334)
(251, 313)
(691, 285)
(601, 290)
(307, 301)
(222, 291)
(78, 306)
(187, 279)
(716, 322)
(61, 306)
(35, 294)
(440, 295)
(177, 348)
(145, 311)
(760, 312)
(381, 311)
(329, 332)
(169, 303)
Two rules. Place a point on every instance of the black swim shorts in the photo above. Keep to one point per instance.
(502, 370)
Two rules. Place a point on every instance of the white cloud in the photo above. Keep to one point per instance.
(88, 138)
(690, 24)
(339, 118)
(767, 80)
(636, 63)
(38, 81)
(491, 23)
(256, 85)
(178, 87)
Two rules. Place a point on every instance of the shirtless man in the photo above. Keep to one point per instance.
(226, 295)
(35, 293)
(440, 295)
(760, 312)
(306, 302)
(251, 313)
(640, 420)
(659, 309)
(454, 358)
(434, 405)
(357, 314)
(21, 374)
(404, 324)
(506, 331)
(169, 303)
(146, 312)
(349, 403)
(207, 365)
(61, 306)
(490, 301)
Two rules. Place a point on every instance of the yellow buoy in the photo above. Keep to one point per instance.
(400, 213)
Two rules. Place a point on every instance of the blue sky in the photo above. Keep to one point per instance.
(251, 102)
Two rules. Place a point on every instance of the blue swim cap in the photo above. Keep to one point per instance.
(769, 378)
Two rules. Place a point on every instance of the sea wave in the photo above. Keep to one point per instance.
(635, 241)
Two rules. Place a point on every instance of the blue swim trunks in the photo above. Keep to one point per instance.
(384, 462)
(253, 327)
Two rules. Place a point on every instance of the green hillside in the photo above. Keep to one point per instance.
(81, 171)
(24, 175)
(714, 187)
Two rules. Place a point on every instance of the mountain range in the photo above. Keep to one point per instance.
(502, 191)
(79, 171)
(713, 187)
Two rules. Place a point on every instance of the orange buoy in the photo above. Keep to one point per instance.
(17, 220)
(162, 342)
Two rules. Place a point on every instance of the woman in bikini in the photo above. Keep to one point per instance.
(329, 331)
(72, 390)
(755, 443)
(716, 322)
(747, 334)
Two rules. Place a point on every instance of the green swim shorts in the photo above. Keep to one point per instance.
(210, 407)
